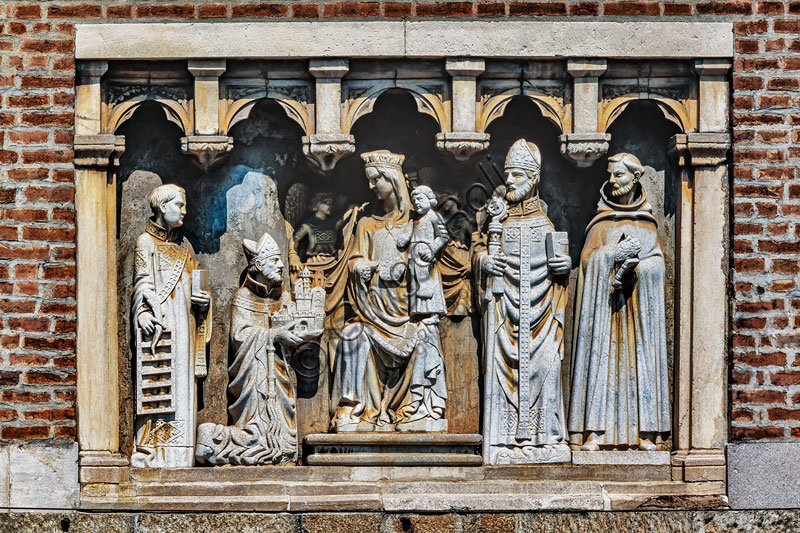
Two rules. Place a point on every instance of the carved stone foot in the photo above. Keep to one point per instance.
(548, 453)
(647, 445)
(208, 149)
(326, 149)
(583, 149)
(462, 144)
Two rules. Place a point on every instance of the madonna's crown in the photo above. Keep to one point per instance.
(383, 158)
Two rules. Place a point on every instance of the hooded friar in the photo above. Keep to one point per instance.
(263, 426)
(620, 383)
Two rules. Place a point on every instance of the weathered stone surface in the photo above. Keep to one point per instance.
(340, 523)
(620, 458)
(526, 39)
(43, 477)
(763, 475)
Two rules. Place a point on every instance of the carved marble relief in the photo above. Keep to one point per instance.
(391, 294)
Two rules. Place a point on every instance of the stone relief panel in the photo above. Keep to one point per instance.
(442, 285)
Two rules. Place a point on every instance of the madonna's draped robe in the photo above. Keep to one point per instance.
(388, 369)
(620, 383)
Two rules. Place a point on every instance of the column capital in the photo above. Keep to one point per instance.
(328, 68)
(700, 149)
(102, 150)
(464, 66)
(91, 71)
(586, 68)
(712, 67)
(207, 68)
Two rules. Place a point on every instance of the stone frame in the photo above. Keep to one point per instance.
(701, 150)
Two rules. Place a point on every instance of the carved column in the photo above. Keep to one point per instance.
(585, 144)
(328, 145)
(206, 144)
(701, 384)
(463, 141)
(95, 214)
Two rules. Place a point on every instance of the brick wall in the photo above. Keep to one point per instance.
(37, 268)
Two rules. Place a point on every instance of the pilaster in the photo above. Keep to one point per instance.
(206, 144)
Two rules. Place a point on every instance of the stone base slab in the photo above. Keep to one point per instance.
(399, 449)
(399, 489)
(632, 457)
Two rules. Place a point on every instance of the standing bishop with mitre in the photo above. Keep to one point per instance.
(523, 263)
(620, 383)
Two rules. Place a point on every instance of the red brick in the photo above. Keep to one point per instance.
(119, 11)
(30, 359)
(47, 46)
(63, 99)
(759, 359)
(731, 7)
(75, 11)
(207, 11)
(786, 266)
(757, 433)
(67, 432)
(45, 82)
(59, 271)
(758, 119)
(17, 28)
(742, 415)
(537, 8)
(15, 396)
(8, 157)
(8, 378)
(47, 156)
(774, 45)
(311, 11)
(671, 8)
(483, 9)
(50, 194)
(747, 83)
(48, 119)
(750, 323)
(759, 396)
(755, 264)
(27, 137)
(783, 83)
(776, 173)
(440, 9)
(584, 9)
(37, 100)
(260, 10)
(626, 8)
(770, 8)
(64, 175)
(51, 415)
(56, 308)
(747, 46)
(28, 324)
(63, 291)
(24, 215)
(772, 137)
(7, 415)
(27, 11)
(32, 233)
(782, 413)
(750, 27)
(49, 378)
(25, 433)
(165, 11)
(17, 306)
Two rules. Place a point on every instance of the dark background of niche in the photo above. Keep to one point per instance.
(269, 142)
